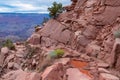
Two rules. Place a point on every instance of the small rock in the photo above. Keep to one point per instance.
(103, 65)
(10, 64)
(103, 70)
(106, 76)
(33, 62)
(86, 57)
(20, 53)
(64, 61)
(92, 64)
(10, 57)
(4, 50)
(17, 66)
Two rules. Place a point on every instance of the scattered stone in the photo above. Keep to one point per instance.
(106, 76)
(4, 50)
(10, 65)
(64, 61)
(21, 75)
(103, 70)
(103, 65)
(20, 53)
(10, 57)
(85, 57)
(17, 66)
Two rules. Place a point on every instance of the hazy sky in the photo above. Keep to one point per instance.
(28, 6)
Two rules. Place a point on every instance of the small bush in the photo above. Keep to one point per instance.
(117, 34)
(56, 53)
(52, 54)
(59, 52)
(8, 43)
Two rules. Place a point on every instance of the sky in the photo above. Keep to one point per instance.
(28, 6)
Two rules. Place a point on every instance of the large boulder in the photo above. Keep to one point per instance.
(57, 31)
(75, 74)
(54, 72)
(90, 32)
(4, 50)
(93, 50)
(34, 39)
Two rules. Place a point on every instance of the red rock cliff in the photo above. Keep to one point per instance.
(87, 26)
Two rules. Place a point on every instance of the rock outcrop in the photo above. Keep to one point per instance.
(85, 31)
(84, 22)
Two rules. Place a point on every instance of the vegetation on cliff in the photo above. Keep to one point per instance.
(55, 9)
(8, 43)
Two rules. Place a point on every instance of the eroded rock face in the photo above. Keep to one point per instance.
(56, 31)
(83, 22)
(53, 33)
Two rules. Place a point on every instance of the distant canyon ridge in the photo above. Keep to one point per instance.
(19, 26)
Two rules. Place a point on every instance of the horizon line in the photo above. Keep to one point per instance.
(27, 12)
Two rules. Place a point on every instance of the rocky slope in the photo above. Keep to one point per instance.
(88, 32)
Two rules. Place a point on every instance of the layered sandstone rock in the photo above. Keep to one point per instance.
(83, 23)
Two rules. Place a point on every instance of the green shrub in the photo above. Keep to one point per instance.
(52, 54)
(116, 34)
(56, 53)
(59, 52)
(55, 10)
(8, 43)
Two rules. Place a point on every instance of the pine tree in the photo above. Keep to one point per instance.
(55, 9)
